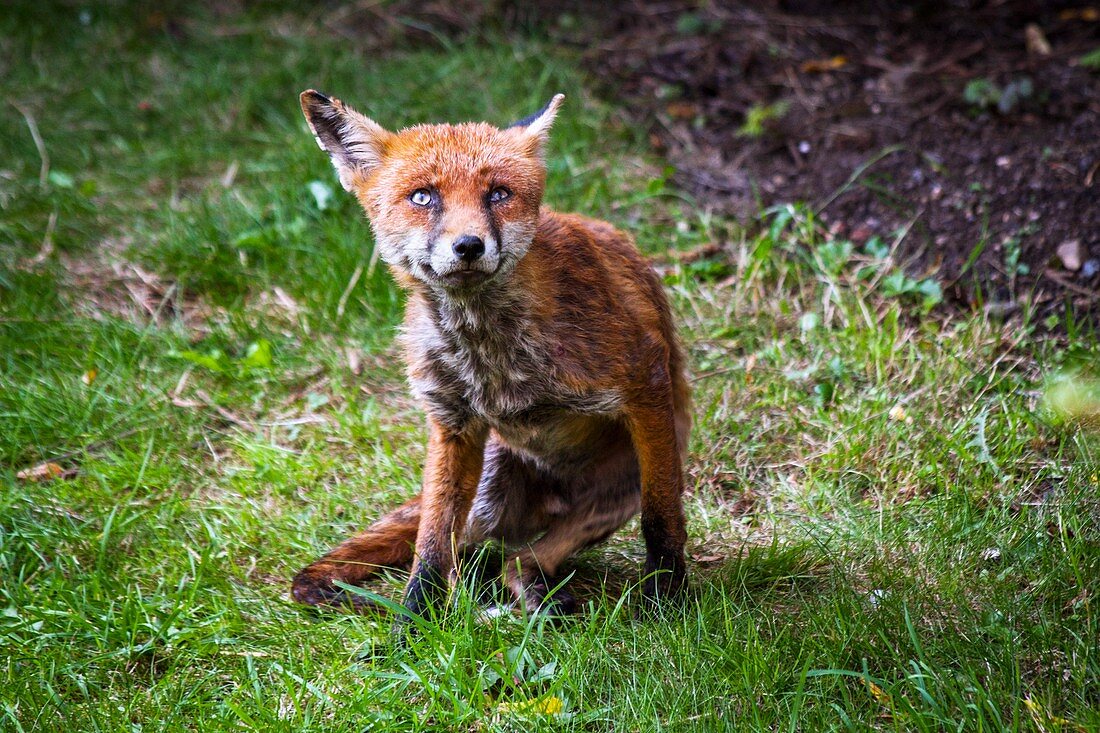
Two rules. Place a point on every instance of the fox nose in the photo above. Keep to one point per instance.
(468, 247)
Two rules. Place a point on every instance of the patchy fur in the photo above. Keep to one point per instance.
(547, 365)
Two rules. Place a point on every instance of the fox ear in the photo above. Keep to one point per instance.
(355, 142)
(536, 128)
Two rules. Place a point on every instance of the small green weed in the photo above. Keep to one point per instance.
(983, 94)
(1091, 60)
(759, 116)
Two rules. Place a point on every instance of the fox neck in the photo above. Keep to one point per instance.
(490, 342)
(496, 315)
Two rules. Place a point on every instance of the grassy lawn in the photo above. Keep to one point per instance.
(888, 529)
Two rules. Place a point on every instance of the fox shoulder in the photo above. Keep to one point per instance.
(580, 241)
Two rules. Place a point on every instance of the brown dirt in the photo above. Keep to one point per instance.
(882, 138)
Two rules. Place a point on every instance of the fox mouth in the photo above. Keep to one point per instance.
(460, 279)
(466, 277)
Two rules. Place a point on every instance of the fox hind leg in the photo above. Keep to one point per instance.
(606, 498)
(533, 572)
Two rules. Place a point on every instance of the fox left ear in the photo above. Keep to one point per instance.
(536, 128)
(355, 142)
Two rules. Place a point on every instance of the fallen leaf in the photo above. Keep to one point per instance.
(1080, 598)
(1088, 14)
(41, 473)
(355, 361)
(1044, 721)
(897, 413)
(819, 66)
(682, 110)
(283, 299)
(881, 695)
(230, 174)
(542, 706)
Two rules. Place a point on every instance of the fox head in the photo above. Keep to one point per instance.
(452, 206)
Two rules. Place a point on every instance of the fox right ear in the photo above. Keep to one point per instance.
(355, 142)
(536, 128)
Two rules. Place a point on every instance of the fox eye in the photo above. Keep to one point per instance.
(498, 194)
(421, 197)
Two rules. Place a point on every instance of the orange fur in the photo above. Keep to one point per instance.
(546, 360)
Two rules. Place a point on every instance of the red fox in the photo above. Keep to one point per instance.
(542, 349)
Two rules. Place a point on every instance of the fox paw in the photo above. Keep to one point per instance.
(664, 583)
(316, 589)
(549, 599)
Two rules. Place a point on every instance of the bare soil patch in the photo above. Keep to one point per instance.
(971, 126)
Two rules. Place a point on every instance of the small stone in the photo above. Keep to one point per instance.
(1036, 41)
(804, 147)
(355, 361)
(1070, 253)
(1004, 161)
(999, 309)
(1090, 268)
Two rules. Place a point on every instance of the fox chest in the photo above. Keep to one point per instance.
(512, 387)
(488, 379)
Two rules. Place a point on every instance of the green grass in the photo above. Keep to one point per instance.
(888, 531)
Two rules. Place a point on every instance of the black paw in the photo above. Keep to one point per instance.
(664, 582)
(426, 591)
(549, 598)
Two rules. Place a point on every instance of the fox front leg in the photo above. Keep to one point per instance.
(651, 422)
(451, 474)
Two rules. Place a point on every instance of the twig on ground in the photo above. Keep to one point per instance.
(205, 400)
(1092, 295)
(44, 170)
(857, 174)
(342, 304)
(46, 249)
